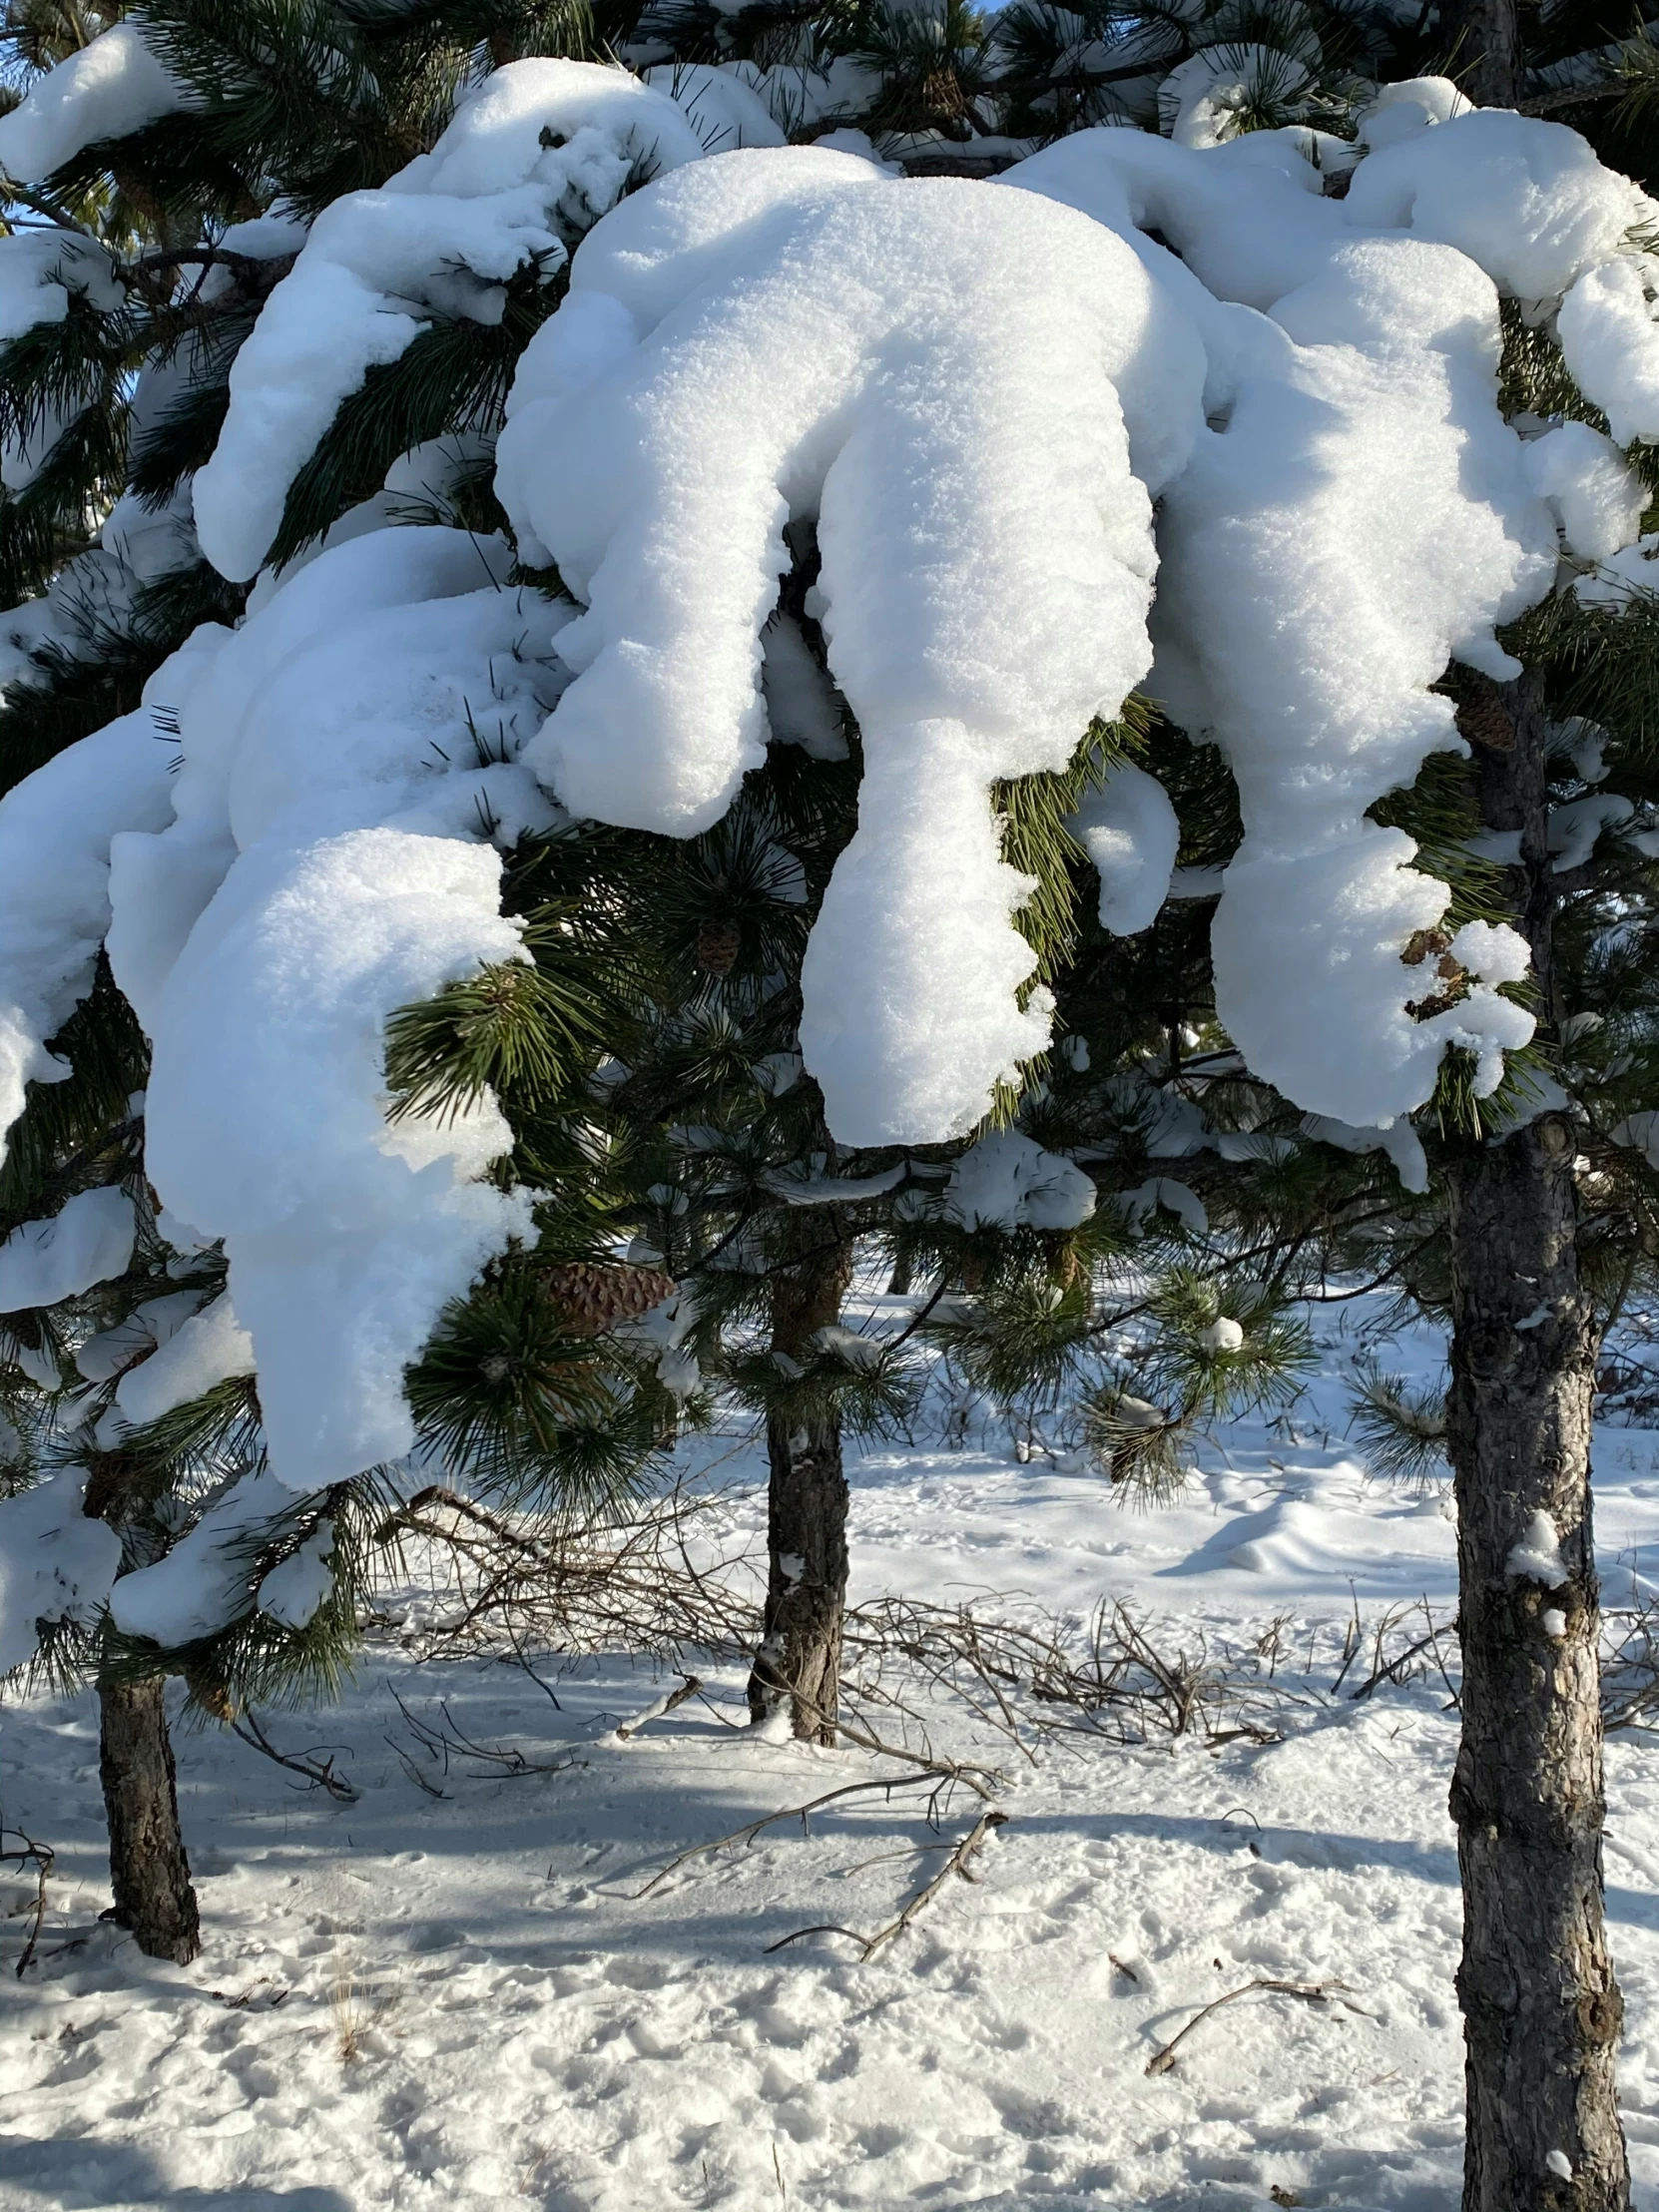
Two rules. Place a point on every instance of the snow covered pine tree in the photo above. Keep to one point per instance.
(145, 1533)
(1291, 341)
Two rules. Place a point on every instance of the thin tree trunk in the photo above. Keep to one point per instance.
(149, 1871)
(1542, 2010)
(800, 1656)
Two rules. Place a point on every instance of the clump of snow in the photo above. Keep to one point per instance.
(723, 108)
(55, 833)
(1608, 327)
(1596, 496)
(210, 1348)
(138, 1333)
(1302, 640)
(1128, 830)
(1008, 1181)
(1538, 1557)
(114, 85)
(136, 546)
(206, 1580)
(1222, 1334)
(745, 380)
(1575, 825)
(1403, 111)
(1641, 1133)
(40, 269)
(1399, 1140)
(852, 1349)
(662, 1332)
(1525, 199)
(1623, 576)
(1492, 950)
(89, 1240)
(55, 1564)
(1179, 1199)
(297, 1587)
(539, 144)
(349, 759)
(1201, 101)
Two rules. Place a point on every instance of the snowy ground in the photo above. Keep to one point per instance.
(427, 2000)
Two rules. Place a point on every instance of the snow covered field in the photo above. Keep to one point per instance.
(449, 1999)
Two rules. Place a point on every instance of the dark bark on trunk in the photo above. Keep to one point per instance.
(1483, 41)
(800, 1657)
(149, 1871)
(898, 1285)
(1542, 2010)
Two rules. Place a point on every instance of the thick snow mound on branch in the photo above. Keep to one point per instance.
(1355, 513)
(349, 756)
(540, 148)
(1128, 830)
(1008, 1181)
(210, 1348)
(55, 1564)
(114, 85)
(40, 269)
(1608, 326)
(55, 833)
(89, 1240)
(974, 393)
(1525, 199)
(208, 1578)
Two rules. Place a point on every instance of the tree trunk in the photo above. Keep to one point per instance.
(1542, 2010)
(799, 1655)
(1485, 51)
(149, 1871)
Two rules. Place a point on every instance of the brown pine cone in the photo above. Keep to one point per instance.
(718, 944)
(1483, 717)
(592, 1296)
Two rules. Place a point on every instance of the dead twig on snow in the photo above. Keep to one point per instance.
(1310, 1992)
(959, 1863)
(246, 1726)
(41, 1856)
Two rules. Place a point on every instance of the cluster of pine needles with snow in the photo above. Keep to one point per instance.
(829, 1104)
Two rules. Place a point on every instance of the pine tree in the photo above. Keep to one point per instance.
(107, 411)
(1534, 907)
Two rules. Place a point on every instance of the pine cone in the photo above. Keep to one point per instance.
(1483, 717)
(213, 1695)
(942, 95)
(717, 944)
(593, 1296)
(1421, 942)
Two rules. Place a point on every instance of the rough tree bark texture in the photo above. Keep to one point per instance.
(1542, 2010)
(1482, 39)
(800, 1657)
(148, 1871)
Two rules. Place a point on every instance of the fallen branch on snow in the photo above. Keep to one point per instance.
(41, 1856)
(959, 1863)
(1310, 1992)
